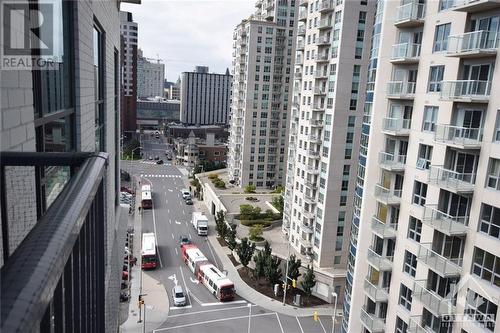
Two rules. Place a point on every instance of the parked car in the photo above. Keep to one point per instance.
(169, 158)
(178, 296)
(157, 157)
(189, 201)
(186, 194)
(184, 240)
(150, 157)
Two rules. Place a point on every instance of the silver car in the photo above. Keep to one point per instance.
(178, 296)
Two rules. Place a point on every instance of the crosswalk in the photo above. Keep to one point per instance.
(152, 162)
(160, 176)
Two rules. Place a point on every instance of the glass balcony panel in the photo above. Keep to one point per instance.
(383, 229)
(405, 52)
(432, 300)
(410, 14)
(392, 162)
(445, 223)
(462, 137)
(457, 181)
(466, 90)
(376, 293)
(401, 89)
(442, 265)
(381, 263)
(396, 126)
(473, 43)
(372, 322)
(387, 196)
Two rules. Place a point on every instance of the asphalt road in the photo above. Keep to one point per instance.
(169, 219)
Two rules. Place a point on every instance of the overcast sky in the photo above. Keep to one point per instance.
(186, 33)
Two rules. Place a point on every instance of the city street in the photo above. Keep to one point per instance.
(169, 219)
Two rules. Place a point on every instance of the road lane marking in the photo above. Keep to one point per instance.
(323, 327)
(207, 311)
(177, 253)
(168, 210)
(173, 236)
(211, 321)
(279, 322)
(249, 316)
(300, 326)
(177, 222)
(195, 298)
(189, 234)
(185, 285)
(179, 308)
(154, 228)
(212, 252)
(183, 212)
(170, 221)
(193, 280)
(225, 303)
(166, 200)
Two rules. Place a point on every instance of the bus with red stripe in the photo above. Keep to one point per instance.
(148, 253)
(146, 197)
(216, 282)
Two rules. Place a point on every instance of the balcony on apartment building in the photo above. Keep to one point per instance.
(432, 300)
(383, 229)
(321, 74)
(387, 196)
(258, 3)
(456, 181)
(322, 57)
(303, 15)
(301, 31)
(473, 44)
(299, 60)
(415, 326)
(410, 15)
(306, 228)
(314, 139)
(315, 122)
(326, 6)
(303, 2)
(445, 266)
(473, 91)
(391, 162)
(310, 199)
(380, 262)
(269, 4)
(401, 89)
(323, 41)
(311, 184)
(474, 6)
(269, 15)
(325, 24)
(313, 170)
(372, 322)
(405, 53)
(306, 242)
(320, 91)
(375, 292)
(318, 107)
(300, 45)
(459, 137)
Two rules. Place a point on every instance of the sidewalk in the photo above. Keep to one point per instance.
(246, 291)
(156, 299)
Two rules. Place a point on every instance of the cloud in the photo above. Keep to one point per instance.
(189, 33)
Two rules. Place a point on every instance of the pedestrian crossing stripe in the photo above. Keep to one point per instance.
(161, 176)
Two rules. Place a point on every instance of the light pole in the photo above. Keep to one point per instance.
(334, 294)
(286, 270)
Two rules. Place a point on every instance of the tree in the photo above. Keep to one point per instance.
(278, 203)
(245, 251)
(260, 265)
(256, 233)
(309, 281)
(293, 267)
(220, 224)
(250, 188)
(231, 239)
(248, 212)
(272, 269)
(267, 249)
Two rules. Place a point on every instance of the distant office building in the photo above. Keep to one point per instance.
(205, 97)
(172, 90)
(62, 244)
(157, 112)
(203, 131)
(150, 77)
(129, 71)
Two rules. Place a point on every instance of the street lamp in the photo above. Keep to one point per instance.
(334, 294)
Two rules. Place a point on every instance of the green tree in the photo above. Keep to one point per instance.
(248, 212)
(260, 265)
(220, 224)
(278, 203)
(272, 269)
(231, 239)
(267, 249)
(293, 267)
(245, 251)
(250, 188)
(255, 232)
(309, 281)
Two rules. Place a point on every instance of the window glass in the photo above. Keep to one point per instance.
(441, 37)
(490, 221)
(435, 78)
(98, 89)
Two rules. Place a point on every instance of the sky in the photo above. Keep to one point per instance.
(186, 33)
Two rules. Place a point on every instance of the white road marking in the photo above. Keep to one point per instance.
(183, 212)
(210, 321)
(170, 221)
(190, 278)
(173, 278)
(168, 210)
(195, 298)
(170, 190)
(166, 200)
(249, 316)
(323, 327)
(190, 235)
(173, 236)
(180, 307)
(212, 252)
(177, 222)
(225, 303)
(185, 286)
(177, 253)
(207, 311)
(154, 228)
(279, 322)
(300, 326)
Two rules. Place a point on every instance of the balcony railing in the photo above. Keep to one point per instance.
(396, 126)
(313, 169)
(316, 122)
(474, 6)
(314, 139)
(297, 75)
(313, 153)
(456, 181)
(401, 89)
(321, 74)
(444, 266)
(462, 137)
(326, 6)
(325, 24)
(321, 57)
(301, 31)
(372, 322)
(62, 262)
(323, 40)
(391, 162)
(466, 90)
(411, 14)
(303, 2)
(307, 228)
(387, 196)
(432, 300)
(300, 45)
(376, 293)
(475, 43)
(383, 229)
(445, 223)
(303, 15)
(414, 326)
(311, 184)
(381, 263)
(319, 91)
(405, 52)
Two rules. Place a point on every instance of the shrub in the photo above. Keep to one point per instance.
(278, 189)
(212, 176)
(249, 223)
(250, 188)
(219, 183)
(256, 232)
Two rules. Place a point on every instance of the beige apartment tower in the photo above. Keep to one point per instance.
(428, 248)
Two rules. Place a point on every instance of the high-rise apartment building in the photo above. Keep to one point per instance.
(428, 257)
(150, 76)
(263, 59)
(205, 97)
(329, 80)
(129, 35)
(62, 243)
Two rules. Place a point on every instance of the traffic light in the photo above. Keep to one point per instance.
(294, 283)
(315, 316)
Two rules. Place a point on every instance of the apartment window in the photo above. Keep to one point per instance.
(401, 325)
(351, 121)
(430, 118)
(435, 78)
(490, 220)
(481, 310)
(414, 229)
(419, 193)
(346, 170)
(496, 136)
(99, 89)
(362, 17)
(410, 264)
(445, 4)
(493, 178)
(486, 266)
(343, 200)
(424, 156)
(405, 297)
(441, 37)
(348, 153)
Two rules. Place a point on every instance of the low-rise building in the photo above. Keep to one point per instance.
(192, 150)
